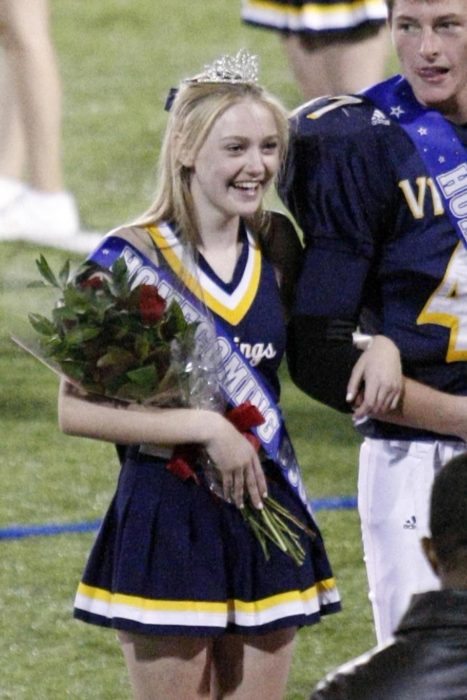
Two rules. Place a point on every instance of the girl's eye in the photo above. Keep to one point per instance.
(234, 147)
(270, 146)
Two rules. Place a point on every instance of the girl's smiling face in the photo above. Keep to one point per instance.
(236, 163)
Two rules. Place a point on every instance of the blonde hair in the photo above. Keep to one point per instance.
(195, 109)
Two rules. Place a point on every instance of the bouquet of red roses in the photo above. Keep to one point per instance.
(117, 339)
(112, 338)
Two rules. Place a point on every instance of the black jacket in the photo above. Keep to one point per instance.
(427, 660)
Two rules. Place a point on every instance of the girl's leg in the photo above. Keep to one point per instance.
(247, 667)
(167, 668)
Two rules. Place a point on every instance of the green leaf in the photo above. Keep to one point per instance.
(76, 298)
(62, 315)
(120, 284)
(41, 324)
(46, 272)
(64, 274)
(142, 346)
(174, 322)
(144, 376)
(117, 357)
(73, 370)
(54, 346)
(79, 335)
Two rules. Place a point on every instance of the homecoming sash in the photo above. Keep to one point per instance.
(436, 142)
(238, 380)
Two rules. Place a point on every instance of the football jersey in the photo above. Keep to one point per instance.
(377, 236)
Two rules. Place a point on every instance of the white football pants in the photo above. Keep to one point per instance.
(394, 488)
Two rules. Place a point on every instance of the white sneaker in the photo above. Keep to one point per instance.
(50, 219)
(10, 189)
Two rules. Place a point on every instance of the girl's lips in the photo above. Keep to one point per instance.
(247, 185)
(248, 189)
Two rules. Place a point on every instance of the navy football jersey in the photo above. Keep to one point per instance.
(377, 236)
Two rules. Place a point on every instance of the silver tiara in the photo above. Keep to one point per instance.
(242, 68)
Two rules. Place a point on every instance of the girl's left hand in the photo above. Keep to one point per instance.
(236, 461)
(375, 385)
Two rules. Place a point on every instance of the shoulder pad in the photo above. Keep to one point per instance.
(340, 112)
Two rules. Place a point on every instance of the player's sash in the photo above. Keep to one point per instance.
(238, 380)
(436, 141)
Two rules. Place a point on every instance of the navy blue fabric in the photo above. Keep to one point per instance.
(376, 237)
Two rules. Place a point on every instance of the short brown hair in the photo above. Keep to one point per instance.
(448, 512)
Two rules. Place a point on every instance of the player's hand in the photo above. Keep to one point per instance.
(237, 463)
(375, 384)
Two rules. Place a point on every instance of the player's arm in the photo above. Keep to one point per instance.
(426, 408)
(321, 356)
(325, 362)
(283, 248)
(326, 185)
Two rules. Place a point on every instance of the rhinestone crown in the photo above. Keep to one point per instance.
(241, 68)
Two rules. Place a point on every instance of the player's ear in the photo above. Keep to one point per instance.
(430, 554)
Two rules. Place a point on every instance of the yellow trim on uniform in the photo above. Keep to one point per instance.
(147, 603)
(448, 287)
(283, 9)
(187, 606)
(231, 315)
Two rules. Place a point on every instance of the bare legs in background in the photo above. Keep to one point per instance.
(33, 201)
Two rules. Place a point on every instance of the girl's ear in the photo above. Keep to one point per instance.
(185, 157)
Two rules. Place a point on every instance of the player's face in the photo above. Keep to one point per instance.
(430, 37)
(236, 163)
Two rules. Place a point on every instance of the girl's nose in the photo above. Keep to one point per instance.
(255, 161)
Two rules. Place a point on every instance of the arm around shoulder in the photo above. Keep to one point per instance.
(321, 356)
(426, 408)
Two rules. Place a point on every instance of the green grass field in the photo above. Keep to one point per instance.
(118, 59)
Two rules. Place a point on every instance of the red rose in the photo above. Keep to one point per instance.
(183, 457)
(151, 304)
(94, 282)
(245, 416)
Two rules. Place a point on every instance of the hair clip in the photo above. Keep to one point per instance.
(169, 100)
(241, 68)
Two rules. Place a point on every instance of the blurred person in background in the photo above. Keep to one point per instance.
(33, 202)
(333, 47)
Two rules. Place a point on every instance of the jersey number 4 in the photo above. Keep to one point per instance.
(447, 306)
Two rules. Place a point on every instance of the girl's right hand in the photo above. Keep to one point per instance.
(236, 461)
